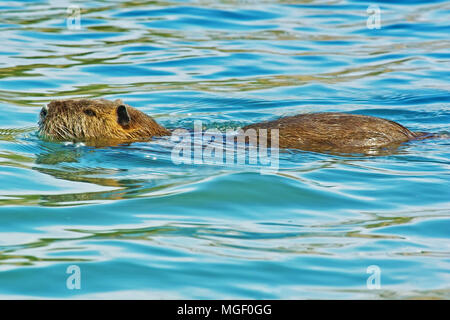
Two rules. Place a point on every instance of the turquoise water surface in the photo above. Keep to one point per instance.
(137, 225)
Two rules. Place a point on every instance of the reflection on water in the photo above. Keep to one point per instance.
(140, 226)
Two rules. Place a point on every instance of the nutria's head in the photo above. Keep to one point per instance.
(96, 120)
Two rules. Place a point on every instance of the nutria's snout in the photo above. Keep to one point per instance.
(96, 120)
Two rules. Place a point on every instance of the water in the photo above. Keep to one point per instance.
(139, 226)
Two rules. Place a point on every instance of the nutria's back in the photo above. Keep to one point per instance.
(335, 132)
(94, 120)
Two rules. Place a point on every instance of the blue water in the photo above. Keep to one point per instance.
(139, 226)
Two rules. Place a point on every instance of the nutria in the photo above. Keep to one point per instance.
(110, 122)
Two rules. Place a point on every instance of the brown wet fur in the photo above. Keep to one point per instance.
(98, 122)
(337, 132)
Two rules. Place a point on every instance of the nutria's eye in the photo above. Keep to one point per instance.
(43, 112)
(89, 112)
(122, 115)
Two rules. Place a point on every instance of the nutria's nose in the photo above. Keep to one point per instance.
(44, 112)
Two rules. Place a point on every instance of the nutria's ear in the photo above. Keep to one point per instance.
(122, 115)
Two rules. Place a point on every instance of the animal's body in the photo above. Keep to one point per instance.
(336, 132)
(110, 122)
